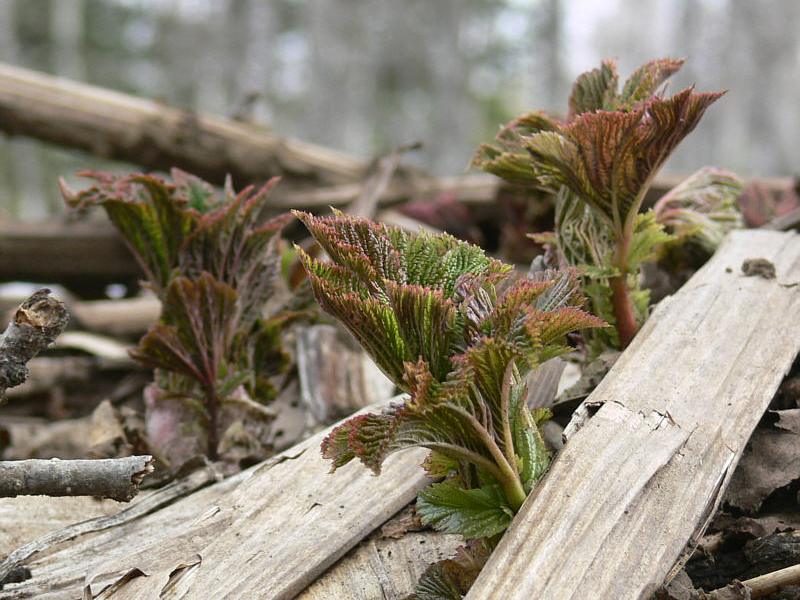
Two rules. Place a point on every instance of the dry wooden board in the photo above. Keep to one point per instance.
(271, 533)
(383, 568)
(641, 479)
(156, 136)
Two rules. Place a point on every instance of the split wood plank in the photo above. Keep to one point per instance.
(644, 476)
(157, 136)
(269, 535)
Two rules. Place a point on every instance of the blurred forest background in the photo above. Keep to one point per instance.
(367, 75)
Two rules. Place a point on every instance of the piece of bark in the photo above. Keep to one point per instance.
(37, 322)
(613, 516)
(154, 135)
(114, 478)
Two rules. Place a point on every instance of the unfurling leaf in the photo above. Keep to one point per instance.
(195, 329)
(214, 261)
(609, 158)
(600, 162)
(702, 208)
(457, 331)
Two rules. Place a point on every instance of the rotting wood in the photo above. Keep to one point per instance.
(645, 474)
(157, 136)
(37, 322)
(114, 478)
(271, 533)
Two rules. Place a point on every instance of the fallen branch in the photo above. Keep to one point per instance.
(767, 584)
(157, 136)
(36, 324)
(114, 478)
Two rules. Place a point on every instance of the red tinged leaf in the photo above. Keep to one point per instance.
(447, 324)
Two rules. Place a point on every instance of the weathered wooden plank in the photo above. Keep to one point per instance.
(268, 534)
(641, 479)
(383, 568)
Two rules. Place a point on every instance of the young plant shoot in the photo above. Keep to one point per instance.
(458, 332)
(213, 262)
(600, 162)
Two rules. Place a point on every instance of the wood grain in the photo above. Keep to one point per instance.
(641, 479)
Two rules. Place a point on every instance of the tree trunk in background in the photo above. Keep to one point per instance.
(548, 73)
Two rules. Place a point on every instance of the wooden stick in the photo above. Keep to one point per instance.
(157, 136)
(644, 476)
(114, 478)
(764, 585)
(35, 325)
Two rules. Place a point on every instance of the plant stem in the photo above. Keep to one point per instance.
(212, 406)
(514, 492)
(509, 479)
(623, 310)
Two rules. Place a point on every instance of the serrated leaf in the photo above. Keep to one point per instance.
(449, 579)
(475, 513)
(508, 158)
(647, 236)
(645, 80)
(594, 90)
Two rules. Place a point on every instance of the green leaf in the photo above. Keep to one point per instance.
(508, 158)
(645, 80)
(476, 513)
(449, 579)
(647, 236)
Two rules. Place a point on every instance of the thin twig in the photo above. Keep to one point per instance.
(114, 478)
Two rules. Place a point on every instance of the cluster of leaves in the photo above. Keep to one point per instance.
(600, 162)
(458, 332)
(213, 261)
